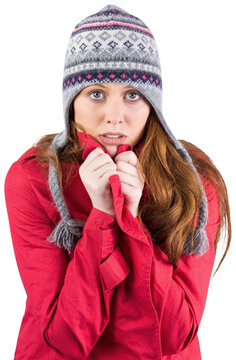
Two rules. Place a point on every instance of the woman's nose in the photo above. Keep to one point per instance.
(114, 110)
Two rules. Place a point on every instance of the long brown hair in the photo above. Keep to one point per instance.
(170, 185)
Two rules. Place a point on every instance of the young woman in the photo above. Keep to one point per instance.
(115, 223)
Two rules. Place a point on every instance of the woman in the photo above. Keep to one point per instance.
(117, 248)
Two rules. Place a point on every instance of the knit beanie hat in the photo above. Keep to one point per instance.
(113, 46)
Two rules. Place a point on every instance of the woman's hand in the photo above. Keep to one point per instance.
(94, 173)
(132, 182)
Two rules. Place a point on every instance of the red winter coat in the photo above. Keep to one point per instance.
(116, 296)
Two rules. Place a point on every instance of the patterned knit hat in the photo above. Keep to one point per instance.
(113, 46)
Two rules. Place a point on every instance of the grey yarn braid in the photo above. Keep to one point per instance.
(68, 230)
(200, 241)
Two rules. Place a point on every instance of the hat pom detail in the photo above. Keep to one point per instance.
(67, 233)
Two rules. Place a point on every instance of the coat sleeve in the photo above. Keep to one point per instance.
(179, 295)
(70, 300)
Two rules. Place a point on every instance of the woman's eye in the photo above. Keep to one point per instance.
(133, 93)
(95, 92)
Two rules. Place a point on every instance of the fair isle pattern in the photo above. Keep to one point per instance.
(114, 40)
(109, 43)
(114, 24)
(114, 46)
(106, 14)
(119, 76)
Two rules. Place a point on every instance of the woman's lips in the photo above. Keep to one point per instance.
(110, 141)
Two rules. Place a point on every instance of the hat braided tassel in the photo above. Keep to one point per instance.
(68, 231)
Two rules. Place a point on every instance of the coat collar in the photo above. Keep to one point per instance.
(89, 143)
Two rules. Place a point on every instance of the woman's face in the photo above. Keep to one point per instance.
(112, 107)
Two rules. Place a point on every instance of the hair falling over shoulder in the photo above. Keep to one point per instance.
(171, 195)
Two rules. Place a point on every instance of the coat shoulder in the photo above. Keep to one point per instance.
(28, 178)
(27, 165)
(30, 153)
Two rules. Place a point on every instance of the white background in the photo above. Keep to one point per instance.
(196, 43)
